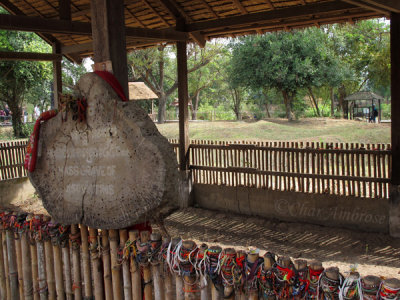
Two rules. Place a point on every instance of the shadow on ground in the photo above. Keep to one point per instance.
(293, 239)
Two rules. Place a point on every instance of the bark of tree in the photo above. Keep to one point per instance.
(332, 102)
(195, 104)
(14, 105)
(288, 105)
(265, 93)
(237, 100)
(342, 106)
(314, 101)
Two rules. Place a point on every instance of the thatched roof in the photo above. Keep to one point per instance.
(140, 91)
(151, 22)
(360, 96)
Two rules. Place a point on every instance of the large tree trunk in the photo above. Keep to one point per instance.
(288, 105)
(266, 102)
(195, 105)
(16, 118)
(162, 109)
(236, 103)
(314, 101)
(342, 106)
(332, 102)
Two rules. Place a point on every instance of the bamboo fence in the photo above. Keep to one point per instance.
(64, 262)
(359, 170)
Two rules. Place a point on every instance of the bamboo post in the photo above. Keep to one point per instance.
(34, 267)
(19, 265)
(115, 267)
(12, 265)
(127, 286)
(135, 270)
(168, 285)
(302, 273)
(189, 279)
(315, 267)
(76, 262)
(227, 270)
(26, 267)
(158, 282)
(106, 265)
(5, 260)
(58, 270)
(252, 258)
(269, 260)
(87, 280)
(42, 285)
(94, 243)
(49, 259)
(241, 256)
(3, 289)
(144, 239)
(203, 277)
(215, 295)
(67, 268)
(178, 280)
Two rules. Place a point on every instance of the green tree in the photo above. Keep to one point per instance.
(22, 81)
(286, 61)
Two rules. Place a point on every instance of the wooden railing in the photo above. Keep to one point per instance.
(324, 168)
(360, 170)
(12, 155)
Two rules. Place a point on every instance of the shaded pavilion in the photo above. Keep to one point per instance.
(140, 91)
(106, 29)
(361, 102)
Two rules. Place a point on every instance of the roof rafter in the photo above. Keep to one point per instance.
(367, 6)
(34, 24)
(155, 12)
(391, 5)
(264, 17)
(240, 6)
(209, 8)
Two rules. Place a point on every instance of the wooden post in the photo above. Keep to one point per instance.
(148, 291)
(269, 260)
(127, 285)
(216, 250)
(58, 272)
(230, 254)
(252, 257)
(158, 282)
(57, 75)
(178, 279)
(12, 266)
(394, 210)
(67, 270)
(87, 279)
(26, 267)
(183, 105)
(76, 262)
(19, 265)
(49, 259)
(5, 261)
(42, 285)
(106, 265)
(188, 279)
(34, 266)
(108, 33)
(203, 278)
(3, 289)
(169, 289)
(115, 267)
(135, 270)
(94, 242)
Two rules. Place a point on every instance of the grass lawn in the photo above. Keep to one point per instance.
(311, 130)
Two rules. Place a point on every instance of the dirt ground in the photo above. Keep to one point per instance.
(371, 253)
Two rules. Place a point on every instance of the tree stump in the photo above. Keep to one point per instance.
(111, 171)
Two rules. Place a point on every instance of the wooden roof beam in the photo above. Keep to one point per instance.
(155, 12)
(240, 6)
(390, 5)
(180, 16)
(209, 8)
(368, 6)
(34, 24)
(264, 17)
(270, 4)
(32, 56)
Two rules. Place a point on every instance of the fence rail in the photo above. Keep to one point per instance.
(12, 155)
(360, 170)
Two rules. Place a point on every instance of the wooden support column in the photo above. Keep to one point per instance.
(109, 43)
(183, 96)
(57, 75)
(394, 210)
